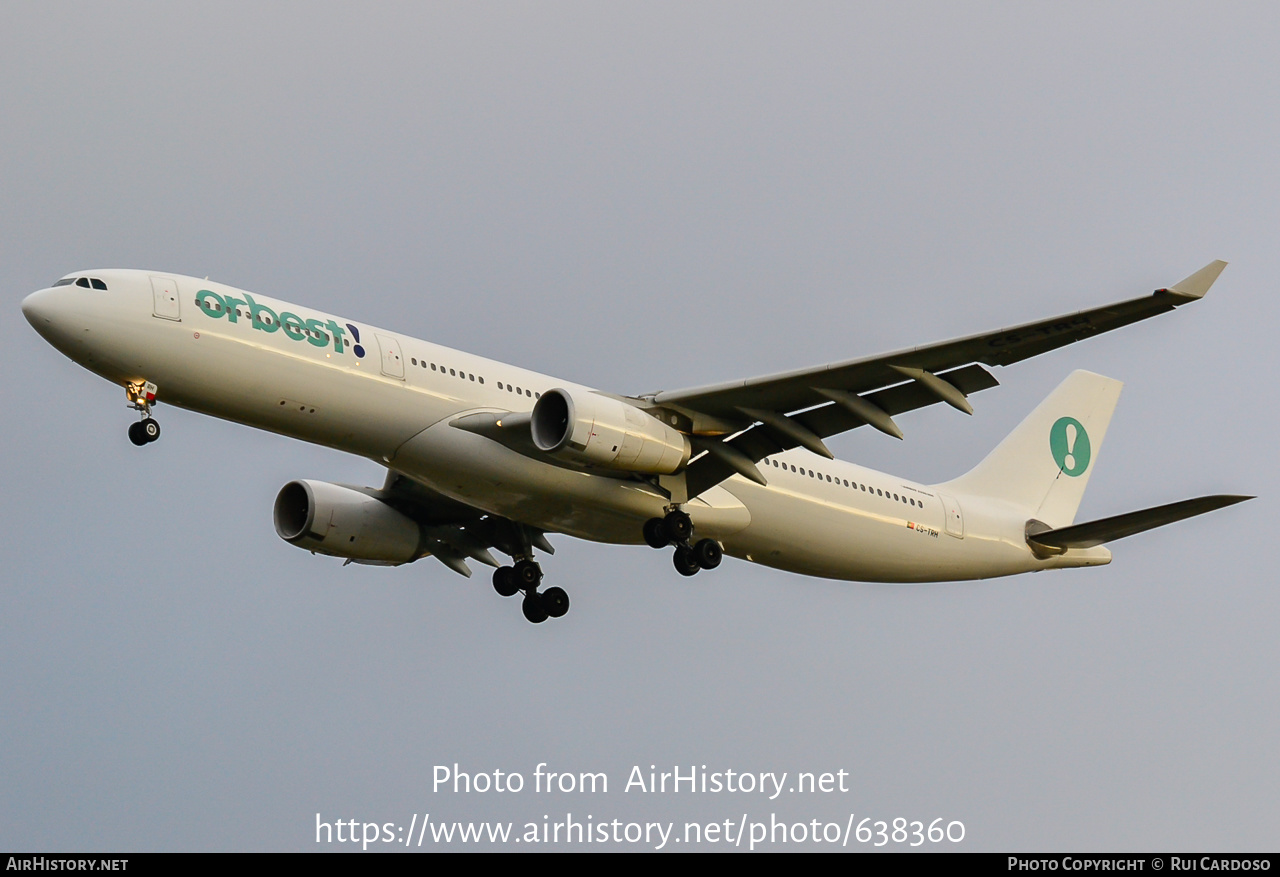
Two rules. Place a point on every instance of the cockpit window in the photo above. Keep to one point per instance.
(86, 282)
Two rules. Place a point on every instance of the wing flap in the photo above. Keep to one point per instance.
(758, 442)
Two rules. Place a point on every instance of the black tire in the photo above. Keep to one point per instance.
(533, 608)
(655, 533)
(686, 563)
(555, 601)
(150, 429)
(504, 581)
(136, 435)
(678, 526)
(708, 553)
(528, 574)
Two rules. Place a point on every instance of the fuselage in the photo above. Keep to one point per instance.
(321, 378)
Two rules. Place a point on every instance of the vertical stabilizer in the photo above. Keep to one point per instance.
(1045, 464)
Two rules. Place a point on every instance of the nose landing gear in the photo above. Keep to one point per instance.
(676, 528)
(141, 398)
(144, 431)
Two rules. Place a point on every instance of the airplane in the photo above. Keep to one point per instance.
(484, 456)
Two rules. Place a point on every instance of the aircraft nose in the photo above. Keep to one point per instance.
(52, 315)
(36, 309)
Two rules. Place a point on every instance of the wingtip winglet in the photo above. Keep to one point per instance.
(1198, 284)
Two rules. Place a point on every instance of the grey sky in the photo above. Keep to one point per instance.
(642, 197)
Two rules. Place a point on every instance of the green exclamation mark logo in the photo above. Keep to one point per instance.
(1069, 444)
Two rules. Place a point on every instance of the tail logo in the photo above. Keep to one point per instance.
(1069, 444)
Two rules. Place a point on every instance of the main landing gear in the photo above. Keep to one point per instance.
(525, 576)
(677, 529)
(141, 398)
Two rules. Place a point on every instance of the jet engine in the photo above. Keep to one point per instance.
(344, 522)
(599, 431)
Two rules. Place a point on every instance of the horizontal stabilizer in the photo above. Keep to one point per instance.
(1117, 527)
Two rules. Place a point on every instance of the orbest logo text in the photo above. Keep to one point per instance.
(264, 319)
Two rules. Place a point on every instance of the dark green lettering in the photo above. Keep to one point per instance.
(230, 304)
(256, 310)
(293, 325)
(317, 337)
(337, 335)
(203, 298)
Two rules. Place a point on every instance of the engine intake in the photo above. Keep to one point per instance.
(343, 522)
(599, 431)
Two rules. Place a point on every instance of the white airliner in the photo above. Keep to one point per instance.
(482, 455)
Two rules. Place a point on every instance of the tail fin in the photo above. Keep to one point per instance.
(1044, 465)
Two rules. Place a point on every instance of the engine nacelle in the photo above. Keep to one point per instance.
(342, 522)
(600, 431)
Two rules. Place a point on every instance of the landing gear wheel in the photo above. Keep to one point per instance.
(655, 533)
(150, 429)
(686, 563)
(678, 527)
(533, 608)
(527, 574)
(136, 435)
(708, 553)
(555, 602)
(504, 581)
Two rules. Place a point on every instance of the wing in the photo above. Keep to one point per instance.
(758, 415)
(454, 531)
